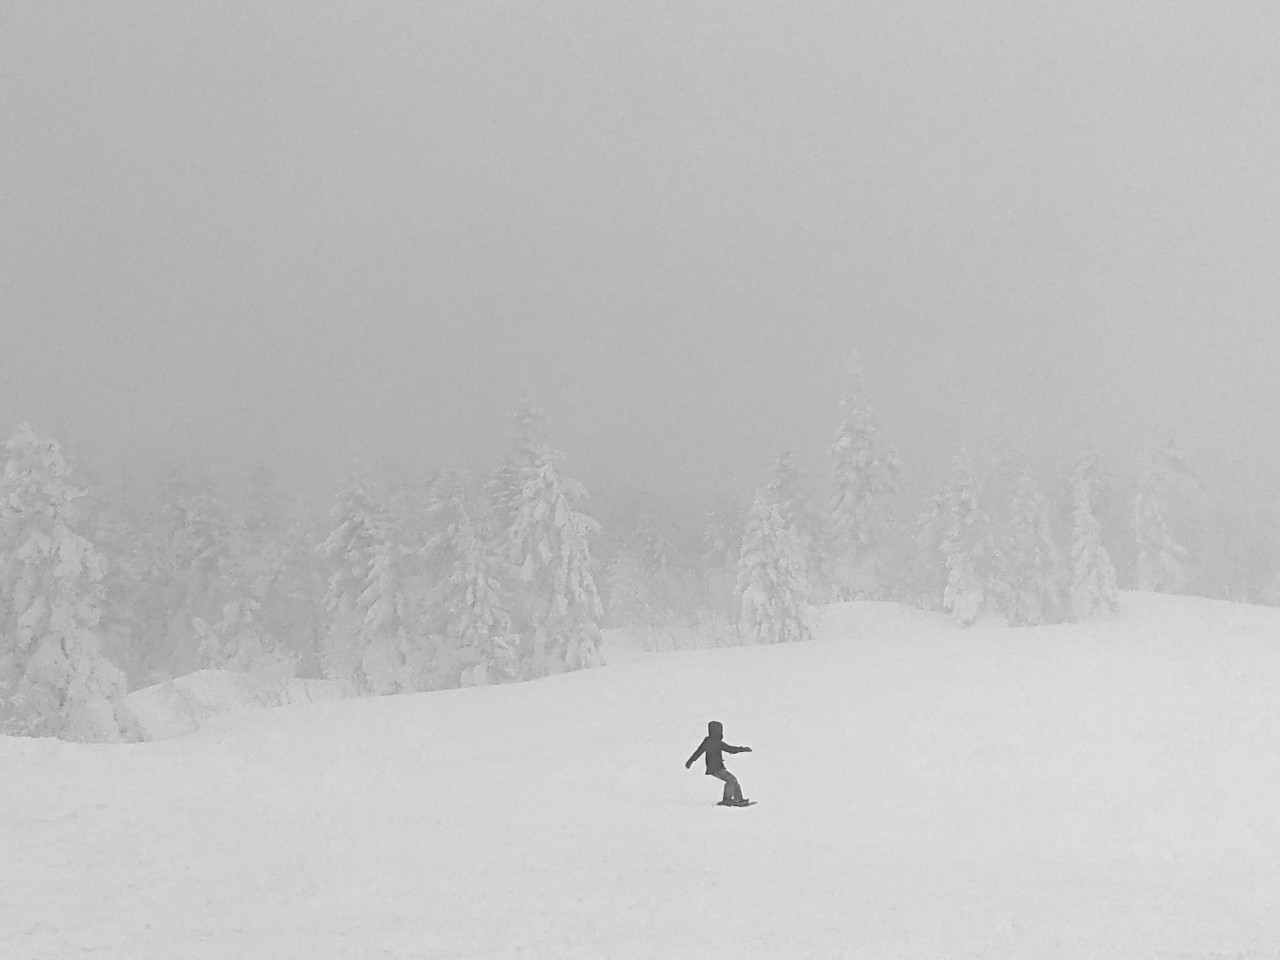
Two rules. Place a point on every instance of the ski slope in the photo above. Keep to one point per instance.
(1101, 790)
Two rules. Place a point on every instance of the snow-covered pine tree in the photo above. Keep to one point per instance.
(966, 546)
(476, 640)
(529, 438)
(1161, 559)
(786, 488)
(867, 478)
(54, 679)
(1093, 578)
(773, 594)
(558, 611)
(350, 551)
(395, 657)
(1030, 565)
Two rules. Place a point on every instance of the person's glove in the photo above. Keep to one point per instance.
(686, 766)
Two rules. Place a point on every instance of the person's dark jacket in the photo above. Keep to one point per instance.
(712, 746)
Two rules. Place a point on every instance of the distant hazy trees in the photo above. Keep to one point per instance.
(993, 550)
(234, 632)
(1093, 578)
(717, 618)
(966, 546)
(929, 574)
(867, 476)
(649, 585)
(452, 581)
(456, 585)
(1162, 561)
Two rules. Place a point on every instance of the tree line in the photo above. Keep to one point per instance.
(458, 581)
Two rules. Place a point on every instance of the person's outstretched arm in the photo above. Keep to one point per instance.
(696, 754)
(728, 749)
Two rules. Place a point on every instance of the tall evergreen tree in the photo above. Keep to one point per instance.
(548, 545)
(1093, 578)
(786, 488)
(396, 657)
(528, 442)
(477, 644)
(772, 589)
(1030, 566)
(351, 552)
(54, 679)
(867, 478)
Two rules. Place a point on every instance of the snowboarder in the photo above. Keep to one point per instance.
(713, 745)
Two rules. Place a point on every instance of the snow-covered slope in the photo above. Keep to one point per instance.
(1103, 790)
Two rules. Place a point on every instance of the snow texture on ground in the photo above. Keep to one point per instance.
(1101, 790)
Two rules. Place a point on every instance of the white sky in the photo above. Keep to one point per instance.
(303, 232)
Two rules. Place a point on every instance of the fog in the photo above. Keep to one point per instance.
(309, 234)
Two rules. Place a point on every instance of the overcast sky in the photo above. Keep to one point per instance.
(305, 232)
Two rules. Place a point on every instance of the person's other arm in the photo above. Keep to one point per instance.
(697, 753)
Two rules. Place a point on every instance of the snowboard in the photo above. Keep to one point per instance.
(745, 803)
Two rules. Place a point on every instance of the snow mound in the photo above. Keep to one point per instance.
(182, 705)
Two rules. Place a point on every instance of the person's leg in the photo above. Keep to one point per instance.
(729, 783)
(732, 788)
